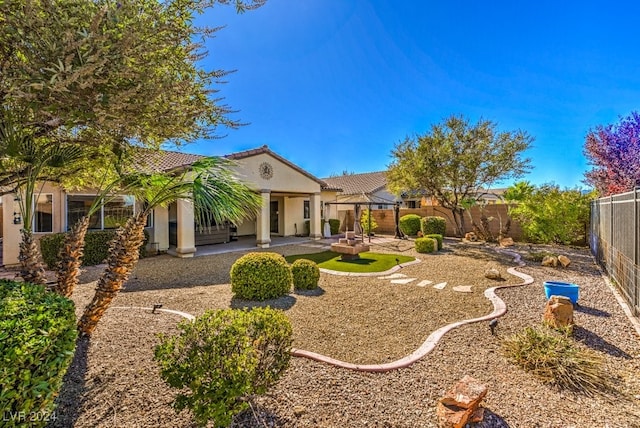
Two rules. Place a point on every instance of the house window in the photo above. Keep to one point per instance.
(112, 214)
(411, 204)
(43, 213)
(380, 207)
(307, 210)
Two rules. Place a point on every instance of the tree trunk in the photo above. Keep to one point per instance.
(31, 266)
(70, 258)
(123, 256)
(458, 219)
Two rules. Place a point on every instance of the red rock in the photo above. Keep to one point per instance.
(467, 393)
(558, 312)
(452, 416)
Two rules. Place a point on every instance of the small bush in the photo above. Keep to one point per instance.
(261, 276)
(334, 225)
(306, 274)
(426, 245)
(555, 359)
(438, 238)
(431, 225)
(96, 247)
(224, 358)
(409, 224)
(37, 341)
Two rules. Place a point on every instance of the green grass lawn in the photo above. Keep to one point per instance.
(368, 262)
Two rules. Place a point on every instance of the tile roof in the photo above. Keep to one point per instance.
(357, 184)
(165, 160)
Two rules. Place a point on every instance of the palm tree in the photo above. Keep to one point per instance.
(28, 161)
(217, 196)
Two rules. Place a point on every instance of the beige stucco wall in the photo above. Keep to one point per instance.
(284, 179)
(11, 232)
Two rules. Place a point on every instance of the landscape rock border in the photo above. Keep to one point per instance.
(499, 309)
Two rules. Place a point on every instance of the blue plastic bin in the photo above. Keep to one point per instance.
(559, 288)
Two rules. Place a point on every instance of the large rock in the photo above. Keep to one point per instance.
(564, 261)
(550, 261)
(460, 404)
(507, 242)
(558, 312)
(493, 273)
(467, 393)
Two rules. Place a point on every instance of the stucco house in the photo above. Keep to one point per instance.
(291, 197)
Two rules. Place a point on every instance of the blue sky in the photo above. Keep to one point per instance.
(333, 85)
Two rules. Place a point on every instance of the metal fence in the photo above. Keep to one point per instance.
(615, 243)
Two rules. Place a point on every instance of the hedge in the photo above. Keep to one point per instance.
(437, 237)
(430, 225)
(426, 245)
(409, 224)
(37, 341)
(96, 247)
(261, 276)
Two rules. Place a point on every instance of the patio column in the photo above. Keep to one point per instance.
(263, 232)
(161, 227)
(186, 229)
(314, 221)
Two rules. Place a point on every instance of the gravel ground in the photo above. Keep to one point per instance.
(114, 381)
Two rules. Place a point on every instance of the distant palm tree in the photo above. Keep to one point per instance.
(217, 196)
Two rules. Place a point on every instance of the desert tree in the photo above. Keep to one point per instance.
(455, 160)
(614, 153)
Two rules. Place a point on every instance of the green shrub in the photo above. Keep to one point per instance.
(334, 225)
(409, 224)
(224, 358)
(306, 274)
(37, 341)
(437, 237)
(555, 359)
(426, 245)
(431, 225)
(261, 276)
(96, 247)
(538, 256)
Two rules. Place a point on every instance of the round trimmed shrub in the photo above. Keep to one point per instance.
(426, 245)
(261, 276)
(433, 225)
(306, 274)
(223, 358)
(438, 238)
(409, 224)
(37, 341)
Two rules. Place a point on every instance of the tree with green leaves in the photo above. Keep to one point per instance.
(548, 214)
(455, 160)
(217, 196)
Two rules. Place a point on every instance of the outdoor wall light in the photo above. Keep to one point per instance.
(16, 218)
(17, 198)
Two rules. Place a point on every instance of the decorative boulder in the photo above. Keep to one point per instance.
(564, 261)
(507, 242)
(558, 312)
(493, 273)
(460, 404)
(471, 236)
(550, 261)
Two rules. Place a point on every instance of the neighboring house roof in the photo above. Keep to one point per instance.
(358, 184)
(265, 150)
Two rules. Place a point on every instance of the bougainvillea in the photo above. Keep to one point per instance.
(614, 152)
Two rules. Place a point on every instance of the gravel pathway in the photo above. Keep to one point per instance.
(361, 320)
